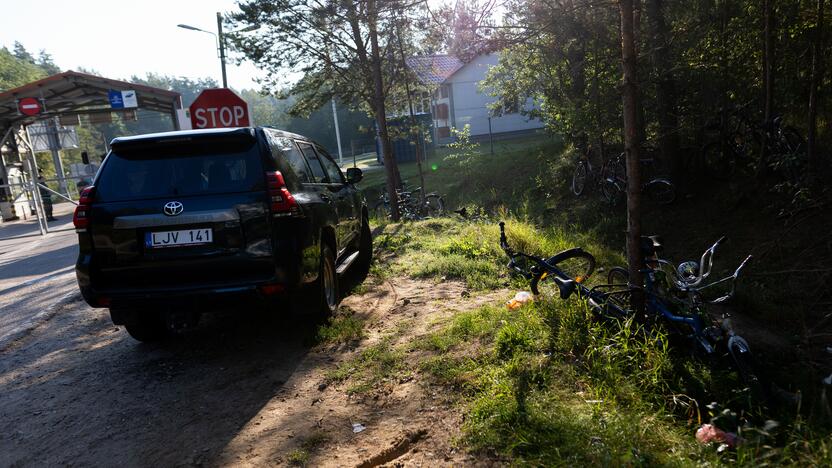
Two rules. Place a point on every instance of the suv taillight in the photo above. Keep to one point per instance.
(81, 218)
(281, 202)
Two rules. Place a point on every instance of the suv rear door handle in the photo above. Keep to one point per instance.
(326, 198)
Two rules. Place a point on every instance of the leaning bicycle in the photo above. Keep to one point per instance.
(676, 297)
(412, 206)
(614, 184)
(678, 305)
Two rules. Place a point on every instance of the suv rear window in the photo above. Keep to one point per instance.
(177, 170)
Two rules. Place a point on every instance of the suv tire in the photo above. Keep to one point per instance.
(327, 284)
(148, 327)
(365, 250)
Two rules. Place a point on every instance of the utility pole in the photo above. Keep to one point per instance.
(221, 40)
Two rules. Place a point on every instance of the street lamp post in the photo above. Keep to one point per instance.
(220, 41)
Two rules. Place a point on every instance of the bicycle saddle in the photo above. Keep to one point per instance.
(651, 245)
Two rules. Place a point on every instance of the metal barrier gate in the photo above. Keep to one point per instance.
(29, 193)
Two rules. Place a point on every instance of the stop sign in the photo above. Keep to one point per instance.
(29, 106)
(219, 108)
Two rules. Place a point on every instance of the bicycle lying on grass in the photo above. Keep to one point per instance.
(677, 304)
(411, 205)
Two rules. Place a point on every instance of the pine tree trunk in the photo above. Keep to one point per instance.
(817, 73)
(630, 102)
(390, 167)
(638, 39)
(768, 59)
(665, 87)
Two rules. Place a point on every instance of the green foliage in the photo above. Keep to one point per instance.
(16, 71)
(318, 124)
(298, 457)
(343, 328)
(548, 384)
(188, 88)
(567, 55)
(328, 44)
(462, 150)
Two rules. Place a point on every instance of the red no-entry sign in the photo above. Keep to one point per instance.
(29, 106)
(219, 108)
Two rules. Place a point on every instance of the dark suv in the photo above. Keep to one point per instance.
(183, 219)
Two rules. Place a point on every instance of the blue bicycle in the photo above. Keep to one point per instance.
(674, 299)
(675, 296)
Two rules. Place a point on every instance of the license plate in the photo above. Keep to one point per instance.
(155, 240)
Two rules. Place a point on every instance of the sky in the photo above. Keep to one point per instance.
(121, 38)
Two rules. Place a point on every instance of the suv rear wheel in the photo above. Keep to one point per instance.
(147, 327)
(327, 283)
(365, 250)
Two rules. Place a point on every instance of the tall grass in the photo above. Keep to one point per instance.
(547, 385)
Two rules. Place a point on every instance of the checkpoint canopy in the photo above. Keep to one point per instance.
(72, 92)
(62, 98)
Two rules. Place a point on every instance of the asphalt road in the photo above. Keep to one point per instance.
(36, 272)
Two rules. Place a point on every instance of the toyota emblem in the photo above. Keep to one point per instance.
(173, 208)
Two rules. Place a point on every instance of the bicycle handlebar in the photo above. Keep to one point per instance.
(733, 279)
(706, 263)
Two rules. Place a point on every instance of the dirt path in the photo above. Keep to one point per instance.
(239, 390)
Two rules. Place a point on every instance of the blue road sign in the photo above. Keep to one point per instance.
(116, 99)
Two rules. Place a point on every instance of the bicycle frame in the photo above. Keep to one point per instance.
(566, 285)
(695, 322)
(691, 288)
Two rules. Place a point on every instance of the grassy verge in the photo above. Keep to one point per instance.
(547, 386)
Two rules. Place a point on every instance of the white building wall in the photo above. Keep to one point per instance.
(470, 105)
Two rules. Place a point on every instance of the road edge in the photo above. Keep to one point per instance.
(21, 331)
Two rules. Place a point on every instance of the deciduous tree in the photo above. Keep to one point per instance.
(336, 48)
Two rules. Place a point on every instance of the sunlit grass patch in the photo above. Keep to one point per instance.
(373, 365)
(454, 249)
(345, 327)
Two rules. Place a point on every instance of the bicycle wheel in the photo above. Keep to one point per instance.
(577, 264)
(746, 367)
(380, 210)
(618, 275)
(579, 178)
(662, 191)
(434, 205)
(614, 181)
(619, 295)
(793, 140)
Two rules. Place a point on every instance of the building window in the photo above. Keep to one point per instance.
(443, 92)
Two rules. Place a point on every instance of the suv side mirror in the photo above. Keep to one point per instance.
(354, 175)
